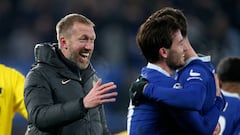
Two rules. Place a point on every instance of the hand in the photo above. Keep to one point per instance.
(99, 95)
(136, 90)
(26, 133)
(217, 129)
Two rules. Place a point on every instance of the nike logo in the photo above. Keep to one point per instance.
(194, 73)
(65, 81)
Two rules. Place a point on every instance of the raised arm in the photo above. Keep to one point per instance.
(181, 98)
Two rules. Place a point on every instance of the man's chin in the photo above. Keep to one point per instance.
(83, 65)
(175, 67)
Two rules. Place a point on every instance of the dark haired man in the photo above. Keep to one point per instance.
(194, 89)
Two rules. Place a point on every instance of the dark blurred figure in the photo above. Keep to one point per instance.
(229, 76)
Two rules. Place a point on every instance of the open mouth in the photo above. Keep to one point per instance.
(84, 56)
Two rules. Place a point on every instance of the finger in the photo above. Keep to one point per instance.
(106, 85)
(107, 89)
(109, 100)
(108, 95)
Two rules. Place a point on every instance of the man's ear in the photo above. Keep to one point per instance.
(163, 52)
(220, 83)
(63, 43)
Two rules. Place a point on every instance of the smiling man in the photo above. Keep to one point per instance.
(161, 42)
(172, 104)
(62, 93)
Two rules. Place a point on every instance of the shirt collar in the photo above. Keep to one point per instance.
(230, 94)
(159, 69)
(203, 58)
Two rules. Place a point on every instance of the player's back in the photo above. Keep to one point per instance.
(150, 117)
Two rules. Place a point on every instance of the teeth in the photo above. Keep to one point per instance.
(85, 54)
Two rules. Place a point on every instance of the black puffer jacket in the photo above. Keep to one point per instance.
(54, 92)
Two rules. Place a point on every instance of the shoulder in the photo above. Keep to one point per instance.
(232, 99)
(232, 103)
(10, 72)
(198, 66)
(197, 70)
(40, 71)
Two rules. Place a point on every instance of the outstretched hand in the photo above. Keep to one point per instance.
(99, 94)
(136, 90)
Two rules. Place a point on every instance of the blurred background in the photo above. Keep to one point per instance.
(214, 29)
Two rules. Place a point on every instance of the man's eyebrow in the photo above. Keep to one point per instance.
(84, 36)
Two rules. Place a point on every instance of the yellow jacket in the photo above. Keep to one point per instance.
(11, 97)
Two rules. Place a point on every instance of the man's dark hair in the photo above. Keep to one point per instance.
(228, 69)
(177, 14)
(155, 33)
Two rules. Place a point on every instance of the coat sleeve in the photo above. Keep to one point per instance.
(43, 113)
(104, 122)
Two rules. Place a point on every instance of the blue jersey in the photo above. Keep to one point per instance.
(150, 117)
(196, 85)
(199, 76)
(230, 117)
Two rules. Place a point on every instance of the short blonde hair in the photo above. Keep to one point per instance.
(66, 23)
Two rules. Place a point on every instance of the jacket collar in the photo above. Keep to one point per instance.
(50, 54)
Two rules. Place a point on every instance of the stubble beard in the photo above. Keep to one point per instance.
(174, 63)
(75, 59)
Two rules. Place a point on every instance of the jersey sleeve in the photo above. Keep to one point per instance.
(18, 90)
(236, 130)
(190, 95)
(180, 98)
(198, 123)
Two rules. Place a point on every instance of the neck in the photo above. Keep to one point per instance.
(190, 52)
(232, 87)
(165, 67)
